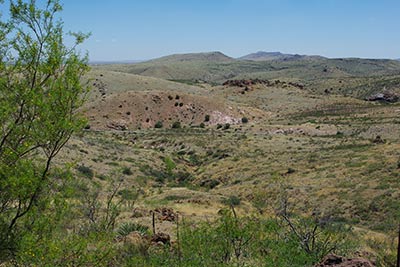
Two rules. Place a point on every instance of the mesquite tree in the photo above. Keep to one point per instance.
(40, 92)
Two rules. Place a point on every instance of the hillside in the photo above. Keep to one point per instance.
(141, 110)
(208, 56)
(341, 76)
(189, 137)
(105, 83)
(277, 56)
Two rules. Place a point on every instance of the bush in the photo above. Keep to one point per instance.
(202, 125)
(210, 183)
(232, 201)
(227, 126)
(207, 118)
(176, 125)
(86, 171)
(158, 124)
(127, 171)
(127, 194)
(245, 120)
(169, 165)
(290, 170)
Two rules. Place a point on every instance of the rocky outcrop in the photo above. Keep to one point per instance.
(119, 125)
(161, 238)
(389, 97)
(166, 214)
(251, 82)
(338, 261)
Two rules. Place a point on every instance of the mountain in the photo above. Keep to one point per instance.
(277, 56)
(110, 62)
(215, 56)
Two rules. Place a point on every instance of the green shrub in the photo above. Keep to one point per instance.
(158, 124)
(210, 183)
(128, 194)
(207, 118)
(232, 201)
(176, 125)
(86, 171)
(245, 120)
(127, 171)
(129, 227)
(169, 164)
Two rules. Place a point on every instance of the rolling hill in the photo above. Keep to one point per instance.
(345, 76)
(214, 56)
(277, 56)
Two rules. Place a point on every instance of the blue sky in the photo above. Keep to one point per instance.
(144, 29)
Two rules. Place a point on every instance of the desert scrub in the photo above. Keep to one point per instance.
(158, 125)
(85, 171)
(128, 227)
(127, 171)
(176, 125)
(232, 241)
(231, 201)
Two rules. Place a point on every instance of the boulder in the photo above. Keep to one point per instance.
(166, 214)
(161, 238)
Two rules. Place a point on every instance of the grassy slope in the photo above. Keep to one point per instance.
(119, 82)
(325, 140)
(344, 76)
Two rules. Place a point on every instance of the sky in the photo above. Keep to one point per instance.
(145, 29)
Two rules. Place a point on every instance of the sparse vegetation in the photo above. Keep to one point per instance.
(196, 196)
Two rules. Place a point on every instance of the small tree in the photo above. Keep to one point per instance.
(40, 91)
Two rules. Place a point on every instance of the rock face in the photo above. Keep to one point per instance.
(250, 82)
(166, 214)
(119, 125)
(389, 97)
(338, 261)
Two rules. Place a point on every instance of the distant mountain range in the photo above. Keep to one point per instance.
(277, 56)
(217, 56)
(105, 62)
